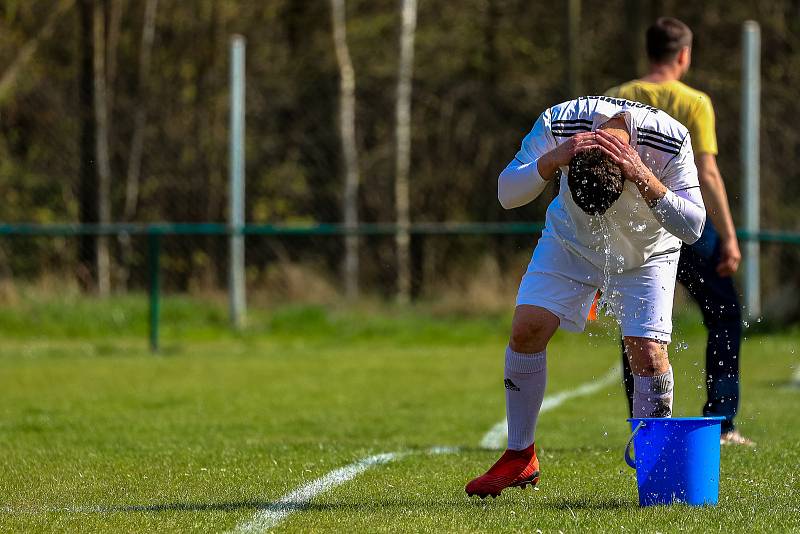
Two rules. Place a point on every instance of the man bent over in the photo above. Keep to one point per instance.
(617, 224)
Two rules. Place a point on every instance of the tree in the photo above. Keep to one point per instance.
(87, 189)
(102, 116)
(28, 50)
(347, 86)
(403, 147)
(133, 174)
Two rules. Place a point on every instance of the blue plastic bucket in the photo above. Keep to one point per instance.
(677, 459)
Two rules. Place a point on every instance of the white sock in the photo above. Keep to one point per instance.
(525, 380)
(652, 395)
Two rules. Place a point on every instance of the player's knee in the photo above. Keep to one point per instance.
(531, 330)
(648, 356)
(523, 335)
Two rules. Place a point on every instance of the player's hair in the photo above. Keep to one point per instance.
(595, 181)
(666, 38)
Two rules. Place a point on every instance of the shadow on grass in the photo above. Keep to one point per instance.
(198, 507)
(284, 507)
(279, 507)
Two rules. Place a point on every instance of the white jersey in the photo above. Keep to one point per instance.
(628, 234)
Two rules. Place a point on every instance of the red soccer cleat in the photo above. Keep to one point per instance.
(513, 469)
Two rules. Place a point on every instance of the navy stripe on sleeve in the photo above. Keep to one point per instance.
(670, 144)
(566, 128)
(658, 147)
(665, 137)
(569, 132)
(686, 188)
(572, 121)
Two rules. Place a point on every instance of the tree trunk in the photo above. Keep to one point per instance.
(101, 146)
(133, 175)
(403, 150)
(112, 37)
(87, 188)
(347, 86)
(575, 87)
(140, 118)
(112, 44)
(637, 19)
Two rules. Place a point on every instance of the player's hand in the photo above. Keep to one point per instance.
(563, 153)
(729, 257)
(560, 156)
(624, 155)
(632, 166)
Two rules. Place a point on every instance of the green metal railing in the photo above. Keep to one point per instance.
(311, 229)
(155, 231)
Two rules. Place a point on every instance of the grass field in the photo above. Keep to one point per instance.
(96, 434)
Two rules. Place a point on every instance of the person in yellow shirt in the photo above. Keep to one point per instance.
(706, 266)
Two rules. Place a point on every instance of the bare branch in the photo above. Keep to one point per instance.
(27, 51)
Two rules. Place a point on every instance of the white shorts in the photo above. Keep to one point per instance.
(565, 284)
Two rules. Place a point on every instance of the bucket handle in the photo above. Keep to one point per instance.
(628, 458)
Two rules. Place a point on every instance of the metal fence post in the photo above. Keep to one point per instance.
(236, 274)
(751, 94)
(154, 275)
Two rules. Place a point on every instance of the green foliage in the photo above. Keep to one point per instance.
(483, 72)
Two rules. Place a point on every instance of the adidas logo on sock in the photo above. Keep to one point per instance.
(511, 385)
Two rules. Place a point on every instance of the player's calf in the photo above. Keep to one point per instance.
(653, 381)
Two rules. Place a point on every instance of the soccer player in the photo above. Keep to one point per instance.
(705, 267)
(617, 224)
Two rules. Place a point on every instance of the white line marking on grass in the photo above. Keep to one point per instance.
(270, 515)
(267, 518)
(496, 437)
(796, 377)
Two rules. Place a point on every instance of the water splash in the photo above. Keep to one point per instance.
(606, 234)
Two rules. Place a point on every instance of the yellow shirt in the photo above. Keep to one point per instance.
(690, 107)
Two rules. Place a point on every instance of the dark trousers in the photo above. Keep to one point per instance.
(719, 304)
